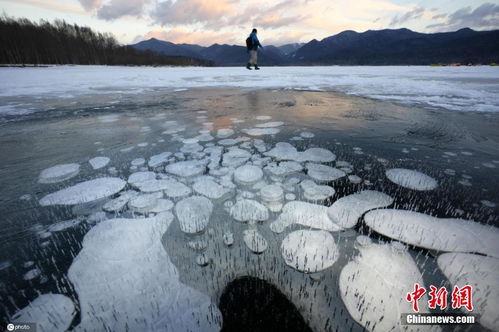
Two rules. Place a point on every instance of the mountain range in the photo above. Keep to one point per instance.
(372, 47)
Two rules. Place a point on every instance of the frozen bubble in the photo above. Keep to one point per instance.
(466, 153)
(323, 173)
(159, 159)
(99, 162)
(290, 197)
(209, 188)
(450, 154)
(124, 260)
(374, 286)
(450, 171)
(272, 193)
(96, 217)
(202, 260)
(228, 239)
(285, 151)
(305, 214)
(480, 273)
(124, 150)
(187, 168)
(261, 131)
(193, 213)
(489, 165)
(138, 162)
(191, 148)
(84, 192)
(63, 225)
(225, 132)
(465, 182)
(296, 138)
(247, 210)
(269, 124)
(32, 274)
(263, 117)
(25, 197)
(204, 137)
(198, 244)
(307, 134)
(28, 264)
(405, 150)
(411, 179)
(315, 192)
(488, 203)
(283, 169)
(176, 189)
(5, 265)
(228, 142)
(51, 312)
(347, 210)
(355, 179)
(142, 145)
(255, 241)
(235, 157)
(162, 205)
(143, 203)
(190, 140)
(59, 173)
(309, 251)
(247, 174)
(442, 234)
(119, 203)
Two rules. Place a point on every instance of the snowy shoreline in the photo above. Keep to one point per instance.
(473, 89)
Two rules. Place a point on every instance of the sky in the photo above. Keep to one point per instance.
(206, 22)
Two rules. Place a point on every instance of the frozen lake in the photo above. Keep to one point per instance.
(179, 199)
(473, 89)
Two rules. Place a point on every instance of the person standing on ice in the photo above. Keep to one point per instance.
(252, 44)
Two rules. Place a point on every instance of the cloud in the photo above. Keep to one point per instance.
(119, 8)
(485, 16)
(192, 11)
(181, 36)
(89, 5)
(413, 14)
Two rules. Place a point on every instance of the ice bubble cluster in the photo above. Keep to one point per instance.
(99, 162)
(254, 241)
(208, 187)
(481, 273)
(193, 213)
(248, 210)
(125, 280)
(309, 251)
(159, 159)
(59, 173)
(85, 192)
(442, 234)
(347, 210)
(186, 168)
(247, 174)
(411, 179)
(315, 192)
(305, 214)
(323, 173)
(51, 312)
(374, 286)
(286, 151)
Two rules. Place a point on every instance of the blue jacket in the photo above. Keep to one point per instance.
(256, 42)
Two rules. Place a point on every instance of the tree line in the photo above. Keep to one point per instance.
(24, 42)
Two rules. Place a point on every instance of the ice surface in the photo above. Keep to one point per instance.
(186, 168)
(347, 210)
(457, 88)
(314, 192)
(481, 273)
(309, 251)
(159, 159)
(126, 281)
(255, 241)
(50, 312)
(411, 179)
(84, 192)
(443, 234)
(374, 286)
(247, 210)
(59, 173)
(193, 213)
(99, 162)
(323, 173)
(306, 214)
(247, 174)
